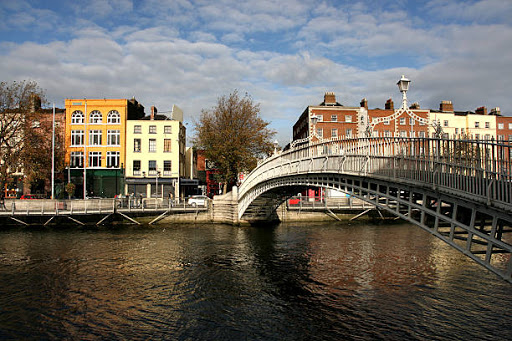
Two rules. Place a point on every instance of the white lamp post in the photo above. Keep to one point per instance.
(403, 86)
(314, 121)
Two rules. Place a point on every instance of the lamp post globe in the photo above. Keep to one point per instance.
(403, 84)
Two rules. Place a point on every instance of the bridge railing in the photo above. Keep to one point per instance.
(480, 168)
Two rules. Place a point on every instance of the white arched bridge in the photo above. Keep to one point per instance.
(458, 190)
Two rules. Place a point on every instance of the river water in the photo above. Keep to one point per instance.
(217, 282)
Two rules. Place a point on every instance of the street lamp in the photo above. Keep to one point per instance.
(403, 86)
(276, 144)
(314, 121)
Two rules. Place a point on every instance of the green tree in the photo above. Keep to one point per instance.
(233, 136)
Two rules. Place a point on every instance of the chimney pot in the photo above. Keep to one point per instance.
(329, 98)
(364, 103)
(153, 112)
(481, 111)
(389, 105)
(446, 106)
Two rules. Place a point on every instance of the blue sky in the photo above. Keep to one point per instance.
(285, 53)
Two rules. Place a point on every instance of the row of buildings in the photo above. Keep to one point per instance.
(112, 147)
(330, 119)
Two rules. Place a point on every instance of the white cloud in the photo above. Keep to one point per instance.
(186, 56)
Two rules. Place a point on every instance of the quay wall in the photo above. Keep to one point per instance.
(222, 209)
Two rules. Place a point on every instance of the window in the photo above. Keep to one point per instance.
(77, 138)
(152, 145)
(76, 159)
(113, 117)
(411, 121)
(334, 132)
(421, 134)
(387, 133)
(487, 136)
(403, 133)
(501, 137)
(477, 124)
(167, 168)
(501, 126)
(487, 125)
(320, 118)
(320, 132)
(152, 129)
(95, 137)
(462, 130)
(334, 118)
(114, 137)
(167, 129)
(113, 159)
(95, 117)
(137, 129)
(510, 126)
(77, 117)
(445, 123)
(136, 167)
(152, 167)
(348, 118)
(349, 133)
(167, 145)
(402, 121)
(136, 146)
(456, 131)
(94, 159)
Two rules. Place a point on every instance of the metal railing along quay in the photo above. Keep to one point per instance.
(48, 207)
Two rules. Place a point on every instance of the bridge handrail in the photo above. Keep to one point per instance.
(478, 167)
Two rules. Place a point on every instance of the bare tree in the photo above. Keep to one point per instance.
(24, 137)
(233, 136)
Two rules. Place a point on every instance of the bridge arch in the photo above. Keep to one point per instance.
(467, 206)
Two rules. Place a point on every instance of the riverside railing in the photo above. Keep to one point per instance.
(480, 169)
(93, 206)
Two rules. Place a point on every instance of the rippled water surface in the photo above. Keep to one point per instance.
(218, 282)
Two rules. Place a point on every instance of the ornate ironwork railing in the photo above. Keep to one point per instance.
(478, 169)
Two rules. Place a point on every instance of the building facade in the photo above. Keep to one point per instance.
(155, 156)
(334, 120)
(95, 143)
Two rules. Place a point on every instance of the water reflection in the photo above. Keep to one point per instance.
(289, 282)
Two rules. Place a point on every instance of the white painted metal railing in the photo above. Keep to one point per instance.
(479, 170)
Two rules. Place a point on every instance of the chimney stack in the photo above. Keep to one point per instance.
(481, 111)
(364, 103)
(446, 106)
(389, 105)
(153, 112)
(415, 105)
(329, 98)
(495, 111)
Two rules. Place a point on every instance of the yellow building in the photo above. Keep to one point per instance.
(95, 143)
(155, 155)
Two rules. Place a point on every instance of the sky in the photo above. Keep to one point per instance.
(285, 54)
